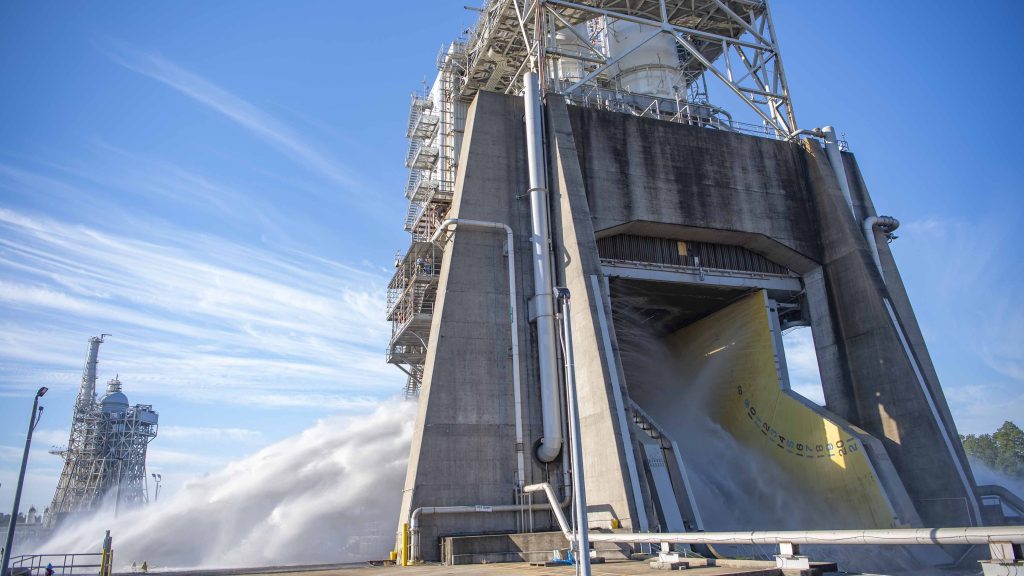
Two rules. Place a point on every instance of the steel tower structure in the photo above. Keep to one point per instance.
(106, 452)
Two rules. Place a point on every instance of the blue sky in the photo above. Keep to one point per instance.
(219, 185)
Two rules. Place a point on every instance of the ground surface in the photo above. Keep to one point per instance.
(611, 568)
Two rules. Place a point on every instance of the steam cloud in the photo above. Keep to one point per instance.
(330, 494)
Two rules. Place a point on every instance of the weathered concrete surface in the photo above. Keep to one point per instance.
(781, 200)
(609, 460)
(464, 445)
(612, 173)
(877, 388)
(642, 174)
(489, 549)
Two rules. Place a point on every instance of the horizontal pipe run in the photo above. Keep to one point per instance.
(894, 536)
(553, 505)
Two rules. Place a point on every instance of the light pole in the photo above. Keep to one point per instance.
(33, 421)
(157, 478)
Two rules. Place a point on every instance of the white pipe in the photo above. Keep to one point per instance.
(835, 158)
(517, 394)
(901, 536)
(553, 502)
(556, 510)
(551, 443)
(578, 486)
(414, 519)
(553, 505)
(888, 224)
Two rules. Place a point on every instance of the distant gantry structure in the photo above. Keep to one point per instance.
(106, 453)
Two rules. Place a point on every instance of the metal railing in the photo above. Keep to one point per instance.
(63, 564)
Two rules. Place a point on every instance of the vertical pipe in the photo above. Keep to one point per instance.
(540, 249)
(513, 298)
(579, 488)
(835, 158)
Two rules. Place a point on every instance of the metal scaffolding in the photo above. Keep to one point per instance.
(106, 453)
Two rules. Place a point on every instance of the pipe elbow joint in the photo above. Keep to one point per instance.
(548, 450)
(886, 224)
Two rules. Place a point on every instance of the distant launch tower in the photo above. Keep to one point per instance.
(106, 453)
(587, 144)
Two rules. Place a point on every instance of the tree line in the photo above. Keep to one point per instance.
(1002, 451)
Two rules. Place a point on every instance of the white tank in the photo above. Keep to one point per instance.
(114, 400)
(570, 70)
(651, 69)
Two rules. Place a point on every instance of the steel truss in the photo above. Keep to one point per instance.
(732, 42)
(106, 452)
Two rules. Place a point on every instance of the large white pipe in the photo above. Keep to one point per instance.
(578, 485)
(835, 158)
(551, 443)
(513, 298)
(884, 223)
(901, 536)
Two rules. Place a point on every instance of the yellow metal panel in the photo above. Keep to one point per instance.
(735, 353)
(405, 544)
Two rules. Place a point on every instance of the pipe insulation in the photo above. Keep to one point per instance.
(551, 443)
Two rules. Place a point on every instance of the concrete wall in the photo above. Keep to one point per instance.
(613, 173)
(781, 199)
(609, 459)
(464, 446)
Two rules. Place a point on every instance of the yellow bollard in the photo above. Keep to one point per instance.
(405, 544)
(393, 556)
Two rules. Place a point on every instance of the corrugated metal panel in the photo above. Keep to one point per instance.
(671, 252)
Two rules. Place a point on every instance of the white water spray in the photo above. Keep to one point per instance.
(330, 494)
(737, 487)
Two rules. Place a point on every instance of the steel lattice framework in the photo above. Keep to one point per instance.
(732, 42)
(106, 451)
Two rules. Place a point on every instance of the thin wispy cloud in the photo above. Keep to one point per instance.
(244, 113)
(194, 315)
(210, 433)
